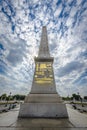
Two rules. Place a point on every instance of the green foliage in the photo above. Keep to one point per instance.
(19, 97)
(66, 98)
(7, 98)
(12, 97)
(85, 97)
(76, 97)
(4, 96)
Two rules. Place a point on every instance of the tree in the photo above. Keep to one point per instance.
(85, 97)
(19, 97)
(76, 97)
(4, 96)
(66, 98)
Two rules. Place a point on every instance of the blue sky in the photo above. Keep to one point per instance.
(21, 22)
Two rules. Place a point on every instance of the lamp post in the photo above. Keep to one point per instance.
(9, 100)
(10, 96)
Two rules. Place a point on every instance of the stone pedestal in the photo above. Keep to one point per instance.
(45, 110)
(43, 105)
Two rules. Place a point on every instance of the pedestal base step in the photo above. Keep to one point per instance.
(43, 98)
(43, 110)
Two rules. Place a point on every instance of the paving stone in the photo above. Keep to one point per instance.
(76, 121)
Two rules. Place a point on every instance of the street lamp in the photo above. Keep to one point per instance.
(9, 99)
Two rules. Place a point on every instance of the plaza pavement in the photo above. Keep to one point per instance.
(10, 121)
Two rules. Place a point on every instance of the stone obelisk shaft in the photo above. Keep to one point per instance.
(44, 48)
(43, 81)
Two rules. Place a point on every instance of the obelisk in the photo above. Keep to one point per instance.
(43, 99)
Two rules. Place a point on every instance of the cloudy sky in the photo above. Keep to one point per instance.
(21, 22)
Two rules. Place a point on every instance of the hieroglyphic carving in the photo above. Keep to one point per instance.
(43, 73)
